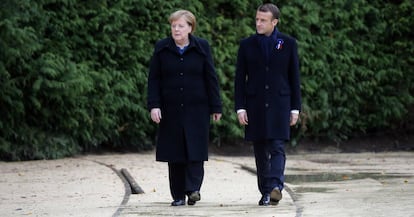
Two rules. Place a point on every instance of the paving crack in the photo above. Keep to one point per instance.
(299, 209)
(127, 187)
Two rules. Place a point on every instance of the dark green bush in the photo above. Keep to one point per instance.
(73, 73)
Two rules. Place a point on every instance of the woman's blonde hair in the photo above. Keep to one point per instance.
(188, 16)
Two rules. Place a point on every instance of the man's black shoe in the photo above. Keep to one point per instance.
(193, 197)
(275, 196)
(265, 200)
(178, 203)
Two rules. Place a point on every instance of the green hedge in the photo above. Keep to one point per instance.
(73, 73)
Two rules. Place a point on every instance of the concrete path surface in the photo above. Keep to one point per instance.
(357, 184)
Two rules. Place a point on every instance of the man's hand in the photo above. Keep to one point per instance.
(216, 116)
(293, 118)
(156, 115)
(242, 116)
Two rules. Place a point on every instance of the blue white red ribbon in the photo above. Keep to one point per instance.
(279, 44)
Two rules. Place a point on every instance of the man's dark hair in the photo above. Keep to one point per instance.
(269, 7)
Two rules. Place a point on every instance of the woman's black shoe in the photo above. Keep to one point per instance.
(178, 203)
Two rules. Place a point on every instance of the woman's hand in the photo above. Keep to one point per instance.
(156, 115)
(242, 116)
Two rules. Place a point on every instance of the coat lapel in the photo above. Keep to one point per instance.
(272, 54)
(274, 50)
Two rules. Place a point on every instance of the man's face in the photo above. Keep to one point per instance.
(265, 22)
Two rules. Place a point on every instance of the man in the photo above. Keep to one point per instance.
(267, 98)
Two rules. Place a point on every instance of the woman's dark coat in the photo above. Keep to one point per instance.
(185, 88)
(268, 90)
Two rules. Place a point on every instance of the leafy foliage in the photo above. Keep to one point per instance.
(73, 73)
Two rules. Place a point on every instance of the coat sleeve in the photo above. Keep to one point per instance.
(294, 78)
(240, 80)
(154, 80)
(213, 88)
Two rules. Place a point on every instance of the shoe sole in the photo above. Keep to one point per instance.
(275, 197)
(191, 202)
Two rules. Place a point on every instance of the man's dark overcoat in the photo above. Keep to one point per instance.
(267, 90)
(186, 89)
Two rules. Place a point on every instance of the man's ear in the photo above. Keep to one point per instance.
(275, 22)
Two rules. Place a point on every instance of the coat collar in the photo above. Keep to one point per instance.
(168, 43)
(257, 37)
(274, 36)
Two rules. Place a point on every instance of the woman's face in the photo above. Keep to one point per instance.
(180, 30)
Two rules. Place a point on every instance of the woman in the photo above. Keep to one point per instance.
(183, 92)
